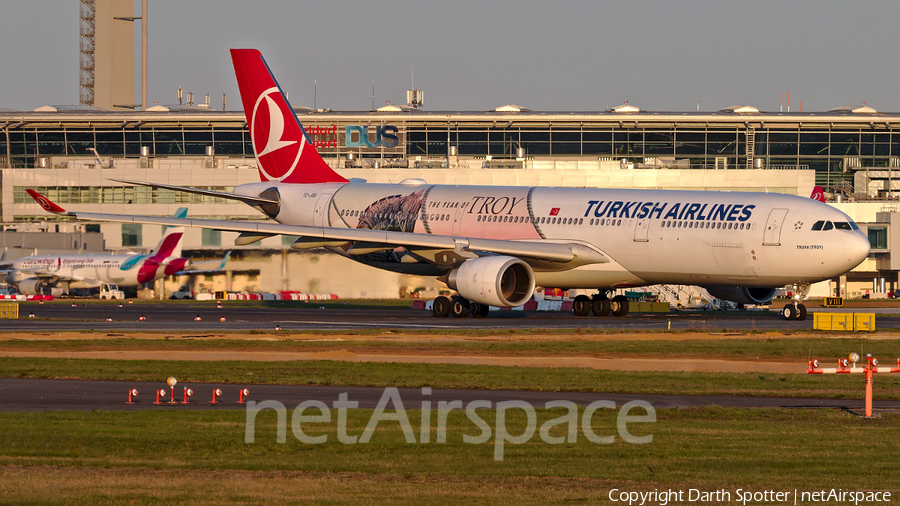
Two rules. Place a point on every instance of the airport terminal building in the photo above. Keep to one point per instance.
(72, 154)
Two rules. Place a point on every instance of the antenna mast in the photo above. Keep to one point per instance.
(414, 97)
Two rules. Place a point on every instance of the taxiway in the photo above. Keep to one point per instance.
(59, 316)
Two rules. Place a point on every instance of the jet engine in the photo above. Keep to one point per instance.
(742, 294)
(31, 286)
(499, 281)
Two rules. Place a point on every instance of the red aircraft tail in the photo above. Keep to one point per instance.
(818, 194)
(283, 150)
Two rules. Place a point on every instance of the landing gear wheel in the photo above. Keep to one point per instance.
(479, 310)
(459, 307)
(789, 312)
(619, 305)
(581, 306)
(600, 305)
(441, 307)
(801, 312)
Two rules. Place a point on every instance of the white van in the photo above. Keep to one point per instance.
(111, 291)
(185, 292)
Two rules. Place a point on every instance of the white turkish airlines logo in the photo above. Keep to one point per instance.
(274, 168)
(43, 202)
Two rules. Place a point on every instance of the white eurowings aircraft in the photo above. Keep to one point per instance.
(33, 274)
(494, 244)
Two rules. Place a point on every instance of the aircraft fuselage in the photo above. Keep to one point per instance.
(651, 236)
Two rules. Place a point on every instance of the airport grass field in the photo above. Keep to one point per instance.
(167, 456)
(153, 457)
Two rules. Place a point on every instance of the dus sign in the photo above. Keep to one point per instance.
(358, 136)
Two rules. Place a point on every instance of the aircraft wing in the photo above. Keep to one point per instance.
(18, 275)
(573, 252)
(48, 274)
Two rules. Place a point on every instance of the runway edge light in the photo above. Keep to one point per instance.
(187, 394)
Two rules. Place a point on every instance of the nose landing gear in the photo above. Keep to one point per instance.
(794, 310)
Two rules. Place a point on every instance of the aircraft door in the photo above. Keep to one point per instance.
(774, 225)
(320, 219)
(457, 221)
(641, 230)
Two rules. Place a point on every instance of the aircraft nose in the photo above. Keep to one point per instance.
(856, 248)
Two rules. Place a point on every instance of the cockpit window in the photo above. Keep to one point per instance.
(842, 225)
(839, 225)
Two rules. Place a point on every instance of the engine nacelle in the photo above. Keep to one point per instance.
(499, 281)
(31, 286)
(742, 294)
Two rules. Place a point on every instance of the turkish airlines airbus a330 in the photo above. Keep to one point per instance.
(494, 244)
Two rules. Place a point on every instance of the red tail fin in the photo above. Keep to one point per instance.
(170, 244)
(283, 150)
(818, 194)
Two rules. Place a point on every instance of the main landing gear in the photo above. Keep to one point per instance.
(600, 305)
(794, 310)
(459, 307)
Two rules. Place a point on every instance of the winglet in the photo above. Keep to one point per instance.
(180, 213)
(46, 203)
(225, 260)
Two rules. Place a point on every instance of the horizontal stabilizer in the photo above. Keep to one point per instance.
(187, 189)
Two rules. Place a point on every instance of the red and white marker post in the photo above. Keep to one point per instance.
(187, 393)
(216, 394)
(132, 393)
(160, 393)
(244, 393)
(848, 366)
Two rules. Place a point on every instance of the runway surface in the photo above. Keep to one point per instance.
(51, 395)
(17, 395)
(60, 315)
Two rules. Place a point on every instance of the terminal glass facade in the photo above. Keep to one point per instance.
(713, 141)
